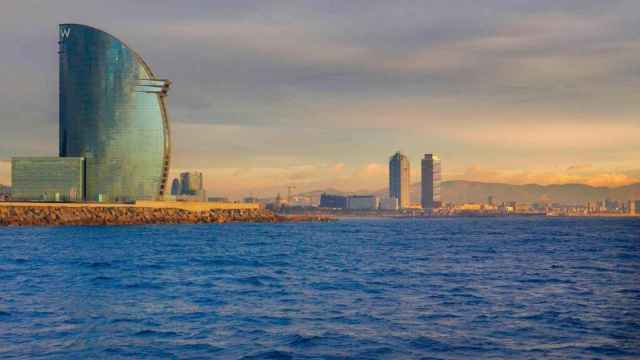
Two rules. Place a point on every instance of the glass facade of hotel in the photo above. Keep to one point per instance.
(47, 179)
(112, 113)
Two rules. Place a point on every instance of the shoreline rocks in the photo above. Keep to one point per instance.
(105, 215)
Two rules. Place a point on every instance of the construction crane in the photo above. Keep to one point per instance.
(289, 189)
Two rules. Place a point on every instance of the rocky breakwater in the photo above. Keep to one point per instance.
(123, 215)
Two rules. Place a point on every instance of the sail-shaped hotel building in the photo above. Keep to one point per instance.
(112, 117)
(113, 114)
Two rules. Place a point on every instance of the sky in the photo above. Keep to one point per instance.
(319, 94)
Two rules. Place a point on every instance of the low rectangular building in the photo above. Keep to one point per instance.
(333, 201)
(363, 202)
(56, 179)
(390, 203)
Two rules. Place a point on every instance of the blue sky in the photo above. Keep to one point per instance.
(320, 93)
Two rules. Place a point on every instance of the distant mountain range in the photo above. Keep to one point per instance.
(470, 191)
(459, 191)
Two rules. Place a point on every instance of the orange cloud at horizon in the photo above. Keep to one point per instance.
(237, 183)
(582, 174)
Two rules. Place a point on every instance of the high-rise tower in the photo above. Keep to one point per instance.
(431, 177)
(191, 182)
(399, 179)
(176, 187)
(112, 113)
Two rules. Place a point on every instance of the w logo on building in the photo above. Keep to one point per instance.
(64, 33)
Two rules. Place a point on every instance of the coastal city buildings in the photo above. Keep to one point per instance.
(189, 187)
(251, 200)
(399, 179)
(191, 182)
(114, 146)
(114, 130)
(431, 177)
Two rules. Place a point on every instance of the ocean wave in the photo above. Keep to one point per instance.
(354, 289)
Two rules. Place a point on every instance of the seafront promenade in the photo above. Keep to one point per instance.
(142, 212)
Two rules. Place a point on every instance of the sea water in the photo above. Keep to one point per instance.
(354, 289)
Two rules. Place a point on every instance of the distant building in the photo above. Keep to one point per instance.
(333, 201)
(522, 208)
(399, 179)
(633, 207)
(191, 182)
(48, 178)
(280, 202)
(507, 207)
(191, 187)
(5, 193)
(469, 207)
(431, 177)
(251, 200)
(611, 205)
(176, 187)
(389, 204)
(363, 202)
(219, 199)
(301, 200)
(490, 200)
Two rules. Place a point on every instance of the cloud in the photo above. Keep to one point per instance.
(580, 168)
(573, 175)
(289, 43)
(549, 136)
(321, 93)
(267, 181)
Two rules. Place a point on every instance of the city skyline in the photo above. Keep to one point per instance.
(318, 95)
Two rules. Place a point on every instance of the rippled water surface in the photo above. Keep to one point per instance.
(355, 289)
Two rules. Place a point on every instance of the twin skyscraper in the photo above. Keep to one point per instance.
(400, 180)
